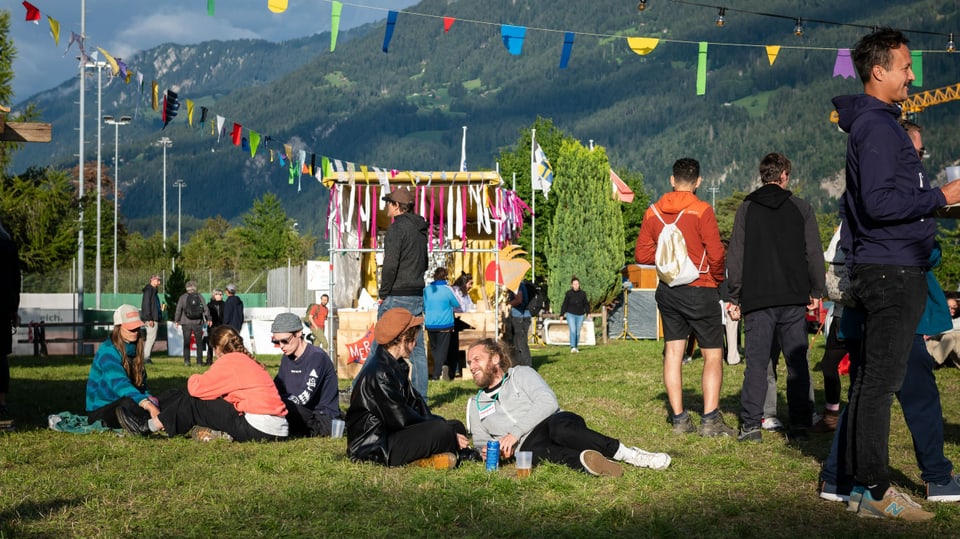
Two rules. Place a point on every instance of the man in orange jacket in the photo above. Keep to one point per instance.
(689, 307)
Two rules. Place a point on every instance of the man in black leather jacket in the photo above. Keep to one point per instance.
(388, 421)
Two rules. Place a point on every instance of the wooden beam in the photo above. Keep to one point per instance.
(26, 132)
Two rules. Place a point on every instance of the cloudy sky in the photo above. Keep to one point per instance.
(122, 27)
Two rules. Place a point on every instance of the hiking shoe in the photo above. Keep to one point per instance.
(947, 492)
(206, 434)
(645, 459)
(132, 423)
(772, 424)
(440, 461)
(683, 426)
(594, 463)
(750, 434)
(834, 493)
(894, 505)
(710, 428)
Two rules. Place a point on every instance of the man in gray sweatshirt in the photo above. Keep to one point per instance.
(516, 407)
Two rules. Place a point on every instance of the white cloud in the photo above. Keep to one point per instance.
(124, 27)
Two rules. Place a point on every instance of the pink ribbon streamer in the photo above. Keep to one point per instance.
(373, 220)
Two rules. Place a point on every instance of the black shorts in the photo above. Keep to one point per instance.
(691, 308)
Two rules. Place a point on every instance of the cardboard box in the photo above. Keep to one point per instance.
(641, 276)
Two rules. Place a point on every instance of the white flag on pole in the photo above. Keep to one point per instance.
(541, 171)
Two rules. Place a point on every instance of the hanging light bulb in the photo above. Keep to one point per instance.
(721, 20)
(798, 29)
(642, 5)
(951, 46)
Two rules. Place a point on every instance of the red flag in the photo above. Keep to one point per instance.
(359, 350)
(33, 14)
(447, 23)
(236, 134)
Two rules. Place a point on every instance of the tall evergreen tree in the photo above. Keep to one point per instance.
(587, 229)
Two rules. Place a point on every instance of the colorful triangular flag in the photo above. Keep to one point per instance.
(843, 66)
(54, 30)
(335, 9)
(33, 14)
(513, 38)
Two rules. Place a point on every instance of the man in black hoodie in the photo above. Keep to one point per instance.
(775, 273)
(887, 237)
(402, 276)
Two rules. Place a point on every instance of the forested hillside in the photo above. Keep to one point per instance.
(404, 109)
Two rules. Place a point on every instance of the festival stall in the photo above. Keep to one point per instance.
(469, 216)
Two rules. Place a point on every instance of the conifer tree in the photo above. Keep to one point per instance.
(586, 238)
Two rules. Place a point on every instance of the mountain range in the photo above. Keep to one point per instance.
(404, 109)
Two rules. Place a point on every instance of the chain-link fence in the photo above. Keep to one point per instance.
(132, 280)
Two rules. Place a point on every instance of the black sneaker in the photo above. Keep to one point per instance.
(750, 434)
(132, 423)
(7, 422)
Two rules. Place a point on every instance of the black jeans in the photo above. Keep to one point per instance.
(892, 299)
(424, 439)
(920, 399)
(197, 331)
(561, 438)
(521, 348)
(787, 326)
(179, 412)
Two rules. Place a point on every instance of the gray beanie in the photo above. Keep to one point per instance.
(286, 323)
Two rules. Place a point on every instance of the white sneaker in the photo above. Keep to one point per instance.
(574, 351)
(772, 424)
(733, 360)
(645, 459)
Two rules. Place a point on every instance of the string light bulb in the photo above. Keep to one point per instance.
(721, 20)
(951, 46)
(798, 29)
(642, 5)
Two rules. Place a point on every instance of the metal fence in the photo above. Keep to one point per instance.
(132, 280)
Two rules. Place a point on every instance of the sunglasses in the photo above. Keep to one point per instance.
(281, 342)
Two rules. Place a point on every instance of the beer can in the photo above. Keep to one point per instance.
(493, 455)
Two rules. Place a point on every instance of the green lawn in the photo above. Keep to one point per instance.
(102, 485)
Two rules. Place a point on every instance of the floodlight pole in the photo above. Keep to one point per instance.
(124, 120)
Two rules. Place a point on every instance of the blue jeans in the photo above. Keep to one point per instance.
(892, 299)
(920, 399)
(574, 321)
(418, 358)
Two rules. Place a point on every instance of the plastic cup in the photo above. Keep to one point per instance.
(524, 463)
(336, 428)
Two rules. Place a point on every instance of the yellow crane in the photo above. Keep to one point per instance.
(918, 102)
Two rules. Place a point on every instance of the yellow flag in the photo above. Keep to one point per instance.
(277, 6)
(110, 60)
(54, 30)
(156, 96)
(190, 112)
(772, 52)
(642, 45)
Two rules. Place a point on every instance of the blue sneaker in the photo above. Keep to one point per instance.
(893, 505)
(947, 492)
(834, 493)
(856, 495)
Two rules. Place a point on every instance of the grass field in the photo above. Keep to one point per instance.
(102, 485)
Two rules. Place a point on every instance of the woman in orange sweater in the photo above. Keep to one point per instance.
(235, 399)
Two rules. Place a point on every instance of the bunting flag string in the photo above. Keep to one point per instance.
(508, 209)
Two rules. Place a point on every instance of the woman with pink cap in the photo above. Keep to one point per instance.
(118, 378)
